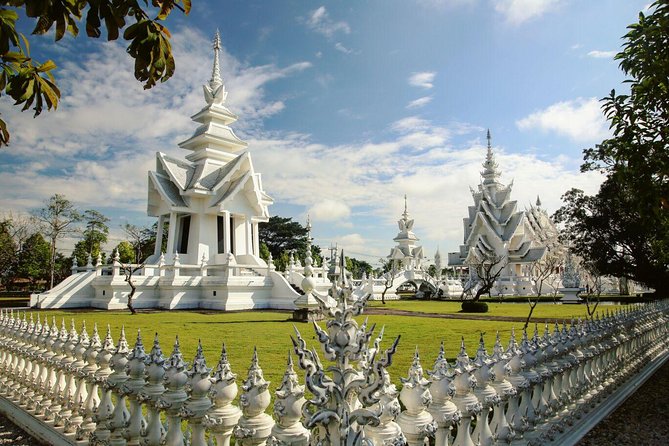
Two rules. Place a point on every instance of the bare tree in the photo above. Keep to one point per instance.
(543, 272)
(390, 279)
(137, 236)
(597, 286)
(57, 219)
(128, 270)
(487, 269)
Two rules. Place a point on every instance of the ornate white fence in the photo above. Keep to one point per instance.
(69, 387)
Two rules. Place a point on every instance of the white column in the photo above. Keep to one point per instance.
(256, 240)
(171, 234)
(226, 230)
(248, 236)
(159, 236)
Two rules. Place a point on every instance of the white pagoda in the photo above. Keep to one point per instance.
(214, 199)
(212, 202)
(407, 254)
(495, 228)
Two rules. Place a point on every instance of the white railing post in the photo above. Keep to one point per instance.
(222, 417)
(198, 402)
(75, 420)
(88, 374)
(254, 425)
(464, 399)
(103, 413)
(116, 381)
(486, 395)
(175, 396)
(136, 368)
(153, 391)
(444, 412)
(288, 411)
(416, 422)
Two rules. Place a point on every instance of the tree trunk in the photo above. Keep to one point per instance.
(130, 296)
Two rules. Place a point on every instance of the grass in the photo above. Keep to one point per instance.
(270, 332)
(542, 311)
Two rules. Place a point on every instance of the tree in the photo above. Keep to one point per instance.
(35, 260)
(125, 251)
(57, 219)
(543, 273)
(31, 84)
(624, 229)
(485, 269)
(358, 267)
(139, 238)
(282, 234)
(95, 235)
(128, 271)
(7, 254)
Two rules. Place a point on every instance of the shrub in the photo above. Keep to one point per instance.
(470, 306)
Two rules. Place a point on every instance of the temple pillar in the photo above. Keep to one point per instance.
(159, 236)
(256, 240)
(171, 234)
(226, 225)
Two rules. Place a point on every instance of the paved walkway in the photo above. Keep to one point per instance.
(11, 435)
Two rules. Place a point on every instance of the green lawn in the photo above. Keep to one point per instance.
(271, 331)
(542, 310)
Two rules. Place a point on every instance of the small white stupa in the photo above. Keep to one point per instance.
(407, 254)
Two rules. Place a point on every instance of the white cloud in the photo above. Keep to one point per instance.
(420, 102)
(341, 48)
(423, 79)
(580, 119)
(441, 4)
(99, 144)
(330, 210)
(602, 54)
(518, 11)
(319, 20)
(410, 123)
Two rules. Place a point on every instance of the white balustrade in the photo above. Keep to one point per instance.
(90, 391)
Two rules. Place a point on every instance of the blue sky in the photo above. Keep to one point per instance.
(346, 107)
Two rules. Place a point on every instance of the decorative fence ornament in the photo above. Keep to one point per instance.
(79, 389)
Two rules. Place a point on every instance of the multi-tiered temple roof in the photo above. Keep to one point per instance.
(494, 226)
(215, 180)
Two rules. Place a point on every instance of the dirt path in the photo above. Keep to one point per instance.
(465, 316)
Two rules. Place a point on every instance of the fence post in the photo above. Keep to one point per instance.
(416, 422)
(288, 411)
(254, 425)
(486, 395)
(105, 409)
(136, 368)
(175, 395)
(154, 389)
(116, 380)
(198, 402)
(443, 410)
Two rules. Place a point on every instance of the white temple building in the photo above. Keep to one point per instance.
(495, 228)
(406, 254)
(212, 201)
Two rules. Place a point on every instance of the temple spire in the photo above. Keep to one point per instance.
(214, 91)
(490, 172)
(538, 204)
(406, 213)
